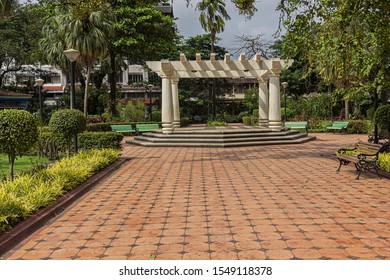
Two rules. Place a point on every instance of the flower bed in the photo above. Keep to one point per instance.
(28, 193)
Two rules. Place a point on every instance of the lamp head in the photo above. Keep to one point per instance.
(39, 82)
(284, 84)
(72, 54)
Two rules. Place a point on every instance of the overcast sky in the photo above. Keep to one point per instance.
(265, 21)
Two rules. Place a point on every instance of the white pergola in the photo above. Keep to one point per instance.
(266, 71)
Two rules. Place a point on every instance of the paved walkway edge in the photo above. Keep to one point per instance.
(32, 223)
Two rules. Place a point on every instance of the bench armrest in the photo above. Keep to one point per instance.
(344, 150)
(364, 156)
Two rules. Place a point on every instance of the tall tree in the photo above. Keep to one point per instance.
(212, 17)
(6, 7)
(19, 33)
(251, 45)
(345, 41)
(244, 7)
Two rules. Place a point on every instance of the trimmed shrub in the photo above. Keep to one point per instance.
(156, 116)
(246, 120)
(359, 127)
(100, 140)
(184, 121)
(382, 117)
(18, 133)
(254, 121)
(216, 123)
(98, 127)
(68, 123)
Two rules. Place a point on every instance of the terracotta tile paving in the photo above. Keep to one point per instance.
(270, 202)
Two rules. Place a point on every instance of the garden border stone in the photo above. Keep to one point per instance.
(25, 228)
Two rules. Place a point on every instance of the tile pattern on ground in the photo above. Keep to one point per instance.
(268, 202)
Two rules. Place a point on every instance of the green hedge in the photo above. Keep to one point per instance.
(100, 140)
(98, 127)
(28, 193)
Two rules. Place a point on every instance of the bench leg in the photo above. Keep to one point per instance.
(377, 173)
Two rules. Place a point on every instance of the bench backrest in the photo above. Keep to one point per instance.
(296, 124)
(147, 126)
(121, 127)
(340, 124)
(367, 148)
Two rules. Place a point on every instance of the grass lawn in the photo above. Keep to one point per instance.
(24, 163)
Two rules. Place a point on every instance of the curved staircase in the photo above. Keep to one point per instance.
(220, 137)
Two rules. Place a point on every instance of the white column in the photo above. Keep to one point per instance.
(274, 103)
(263, 103)
(166, 105)
(175, 102)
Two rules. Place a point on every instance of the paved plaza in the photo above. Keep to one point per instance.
(265, 202)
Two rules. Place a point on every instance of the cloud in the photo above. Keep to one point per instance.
(265, 21)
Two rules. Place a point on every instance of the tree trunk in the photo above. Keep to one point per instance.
(112, 77)
(11, 160)
(86, 91)
(346, 110)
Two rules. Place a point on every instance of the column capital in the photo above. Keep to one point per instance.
(174, 79)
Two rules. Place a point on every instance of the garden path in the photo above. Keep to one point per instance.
(269, 202)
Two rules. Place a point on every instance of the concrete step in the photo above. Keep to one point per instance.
(221, 137)
(221, 145)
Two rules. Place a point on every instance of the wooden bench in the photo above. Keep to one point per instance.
(296, 125)
(363, 155)
(341, 126)
(123, 128)
(146, 127)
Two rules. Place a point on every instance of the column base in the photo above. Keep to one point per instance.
(167, 128)
(264, 123)
(175, 124)
(277, 125)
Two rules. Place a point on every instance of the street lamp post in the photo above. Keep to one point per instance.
(72, 55)
(284, 85)
(149, 87)
(39, 83)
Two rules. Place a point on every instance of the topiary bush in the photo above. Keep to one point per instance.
(98, 127)
(18, 133)
(358, 127)
(246, 120)
(68, 123)
(382, 117)
(100, 140)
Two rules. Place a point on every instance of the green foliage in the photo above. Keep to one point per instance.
(384, 162)
(254, 121)
(359, 127)
(100, 140)
(19, 34)
(28, 193)
(251, 99)
(98, 127)
(246, 120)
(184, 121)
(131, 112)
(156, 116)
(67, 123)
(382, 117)
(18, 133)
(216, 123)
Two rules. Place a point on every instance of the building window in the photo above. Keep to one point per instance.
(135, 78)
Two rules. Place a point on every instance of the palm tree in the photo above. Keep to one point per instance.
(212, 16)
(89, 36)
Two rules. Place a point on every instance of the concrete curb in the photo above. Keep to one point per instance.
(22, 230)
